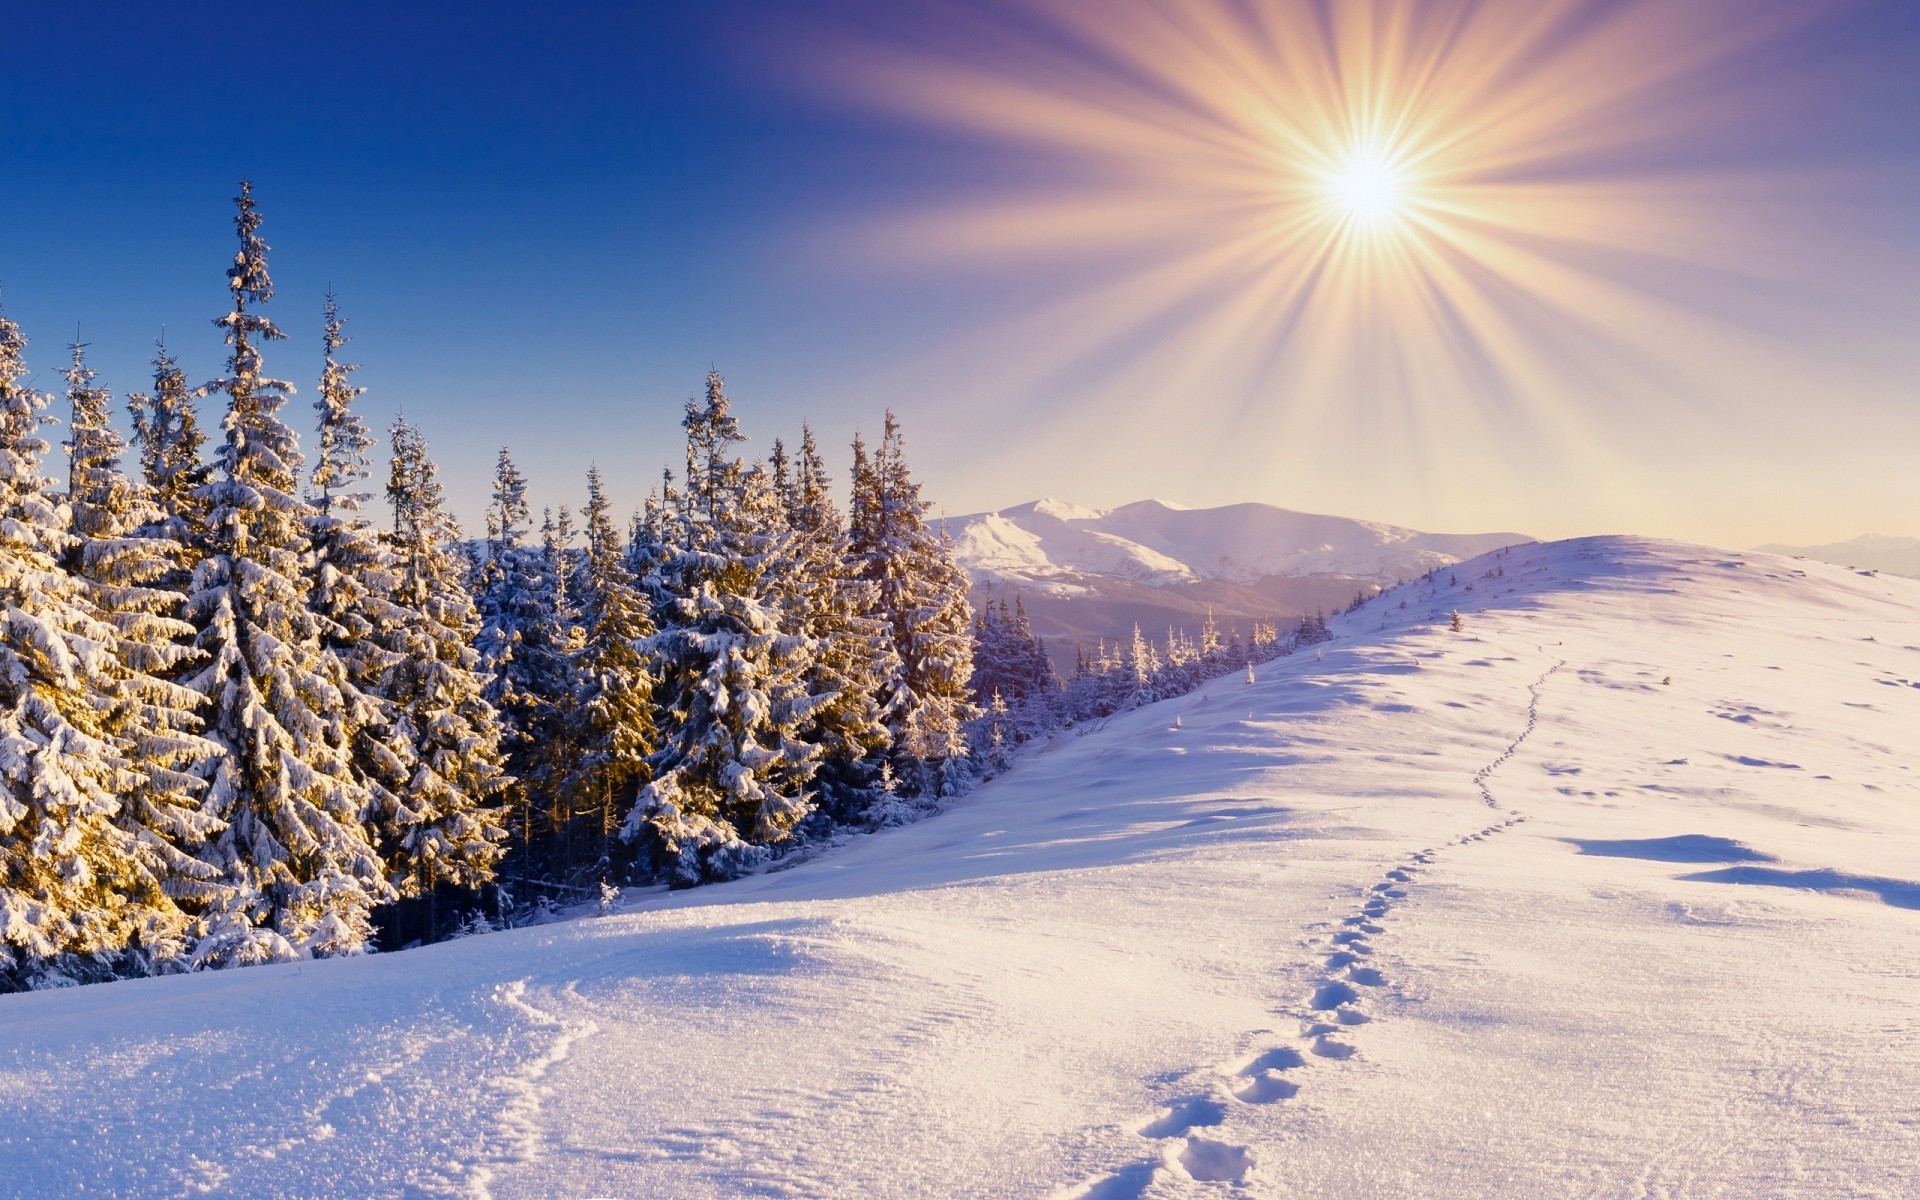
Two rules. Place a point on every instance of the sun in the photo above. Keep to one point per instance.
(1367, 188)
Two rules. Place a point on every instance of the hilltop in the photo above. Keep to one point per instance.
(1609, 893)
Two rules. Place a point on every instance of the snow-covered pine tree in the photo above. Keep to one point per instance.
(1210, 649)
(920, 592)
(121, 561)
(524, 646)
(732, 773)
(350, 585)
(435, 690)
(853, 652)
(295, 848)
(1141, 664)
(78, 893)
(561, 688)
(167, 430)
(611, 732)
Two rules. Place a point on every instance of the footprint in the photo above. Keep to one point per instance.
(1128, 1183)
(1366, 977)
(1341, 958)
(1195, 1112)
(1353, 941)
(1401, 874)
(1332, 995)
(1216, 1162)
(1284, 1058)
(1351, 1016)
(1326, 1047)
(1363, 924)
(1266, 1088)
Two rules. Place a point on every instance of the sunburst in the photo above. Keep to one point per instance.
(1365, 225)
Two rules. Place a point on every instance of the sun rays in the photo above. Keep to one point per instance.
(1362, 222)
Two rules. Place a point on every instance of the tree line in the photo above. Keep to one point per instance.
(238, 716)
(240, 719)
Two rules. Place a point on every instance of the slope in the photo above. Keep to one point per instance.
(1610, 894)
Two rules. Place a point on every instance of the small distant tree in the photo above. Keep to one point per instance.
(1457, 624)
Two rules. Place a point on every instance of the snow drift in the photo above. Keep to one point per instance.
(1611, 894)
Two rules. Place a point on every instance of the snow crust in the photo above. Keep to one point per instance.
(1154, 542)
(1611, 894)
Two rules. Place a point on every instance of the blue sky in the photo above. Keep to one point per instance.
(545, 227)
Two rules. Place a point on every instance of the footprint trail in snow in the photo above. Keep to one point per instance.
(1336, 1005)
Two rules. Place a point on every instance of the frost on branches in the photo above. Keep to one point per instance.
(296, 852)
(732, 774)
(82, 894)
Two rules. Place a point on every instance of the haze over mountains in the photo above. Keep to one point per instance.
(1085, 574)
(1869, 551)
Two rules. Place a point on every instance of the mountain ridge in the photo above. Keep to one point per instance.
(1870, 551)
(1058, 544)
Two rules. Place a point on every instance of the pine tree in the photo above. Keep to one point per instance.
(853, 652)
(121, 561)
(920, 592)
(732, 772)
(351, 581)
(612, 731)
(167, 430)
(78, 892)
(295, 848)
(524, 647)
(449, 830)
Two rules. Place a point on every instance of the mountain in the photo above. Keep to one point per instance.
(1085, 574)
(1611, 893)
(1869, 551)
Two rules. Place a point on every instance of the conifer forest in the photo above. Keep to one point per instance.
(266, 700)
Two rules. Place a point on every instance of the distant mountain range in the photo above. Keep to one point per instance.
(1085, 574)
(1869, 551)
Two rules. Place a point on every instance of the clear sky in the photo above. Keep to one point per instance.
(1562, 266)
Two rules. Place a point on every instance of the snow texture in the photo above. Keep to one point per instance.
(1611, 893)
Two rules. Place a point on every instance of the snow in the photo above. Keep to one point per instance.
(1157, 543)
(1497, 913)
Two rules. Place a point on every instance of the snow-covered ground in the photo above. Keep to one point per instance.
(1615, 893)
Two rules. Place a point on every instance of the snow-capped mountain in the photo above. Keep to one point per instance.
(1085, 575)
(1063, 547)
(1869, 551)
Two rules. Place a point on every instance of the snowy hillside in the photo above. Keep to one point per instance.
(1869, 551)
(1156, 543)
(1612, 893)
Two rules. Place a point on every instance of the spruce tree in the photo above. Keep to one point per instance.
(167, 431)
(351, 581)
(920, 593)
(853, 653)
(611, 728)
(122, 563)
(732, 773)
(295, 848)
(449, 829)
(525, 646)
(79, 893)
